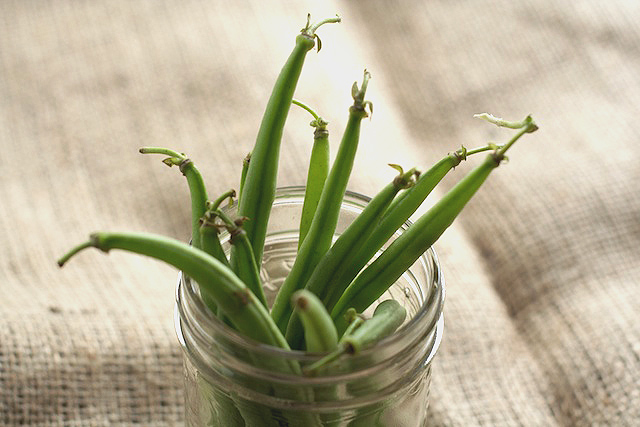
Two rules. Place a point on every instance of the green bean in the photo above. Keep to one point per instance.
(318, 170)
(244, 266)
(237, 302)
(198, 193)
(195, 182)
(209, 235)
(407, 248)
(387, 317)
(258, 192)
(247, 314)
(319, 331)
(322, 281)
(320, 234)
(211, 245)
(320, 337)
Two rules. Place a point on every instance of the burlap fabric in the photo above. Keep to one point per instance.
(542, 298)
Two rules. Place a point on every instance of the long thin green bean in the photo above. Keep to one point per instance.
(258, 192)
(407, 248)
(214, 279)
(320, 234)
(237, 302)
(317, 172)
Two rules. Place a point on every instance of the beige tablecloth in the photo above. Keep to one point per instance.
(542, 267)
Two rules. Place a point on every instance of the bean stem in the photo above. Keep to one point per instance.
(354, 320)
(230, 194)
(526, 123)
(307, 108)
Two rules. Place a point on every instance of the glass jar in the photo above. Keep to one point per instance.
(231, 380)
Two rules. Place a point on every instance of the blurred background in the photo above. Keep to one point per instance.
(541, 268)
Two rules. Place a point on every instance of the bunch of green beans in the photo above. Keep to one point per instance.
(319, 306)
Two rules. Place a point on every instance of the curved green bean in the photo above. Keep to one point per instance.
(320, 235)
(194, 180)
(237, 302)
(258, 192)
(319, 331)
(407, 248)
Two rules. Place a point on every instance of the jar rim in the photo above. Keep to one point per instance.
(413, 329)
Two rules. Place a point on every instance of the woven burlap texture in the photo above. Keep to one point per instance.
(541, 268)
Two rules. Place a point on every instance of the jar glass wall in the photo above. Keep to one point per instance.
(233, 381)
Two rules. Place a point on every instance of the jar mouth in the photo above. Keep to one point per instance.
(426, 324)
